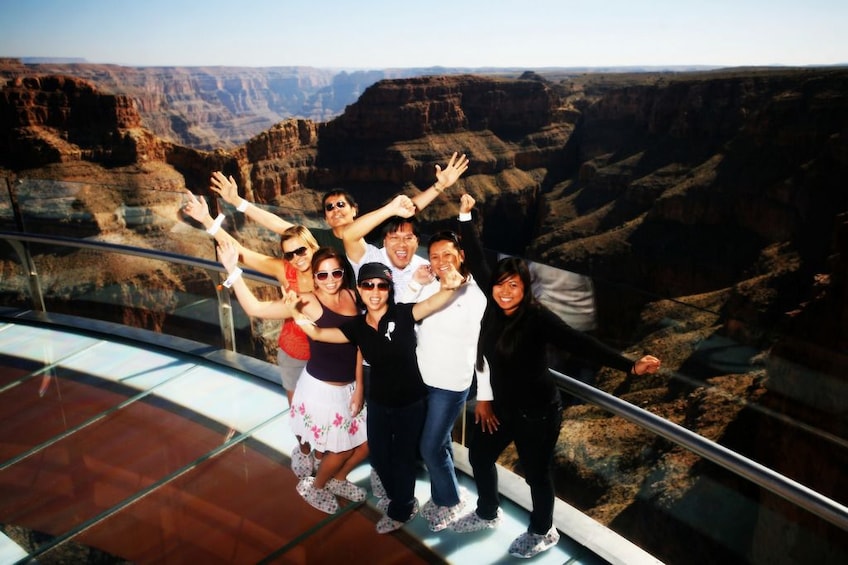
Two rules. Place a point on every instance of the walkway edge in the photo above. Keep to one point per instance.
(581, 528)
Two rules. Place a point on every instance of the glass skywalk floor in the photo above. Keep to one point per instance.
(113, 451)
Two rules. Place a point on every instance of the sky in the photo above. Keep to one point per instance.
(377, 34)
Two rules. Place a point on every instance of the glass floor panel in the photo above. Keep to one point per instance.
(116, 451)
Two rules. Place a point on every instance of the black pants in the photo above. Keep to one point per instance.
(393, 437)
(535, 436)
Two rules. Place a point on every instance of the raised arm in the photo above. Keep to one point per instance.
(444, 179)
(197, 210)
(269, 310)
(327, 335)
(227, 189)
(266, 264)
(354, 234)
(450, 282)
(475, 255)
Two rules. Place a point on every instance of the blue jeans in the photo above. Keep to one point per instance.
(393, 437)
(443, 407)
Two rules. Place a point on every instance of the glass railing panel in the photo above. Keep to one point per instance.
(14, 278)
(684, 509)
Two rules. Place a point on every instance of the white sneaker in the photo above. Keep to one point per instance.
(302, 463)
(377, 485)
(319, 498)
(471, 522)
(387, 524)
(346, 489)
(528, 545)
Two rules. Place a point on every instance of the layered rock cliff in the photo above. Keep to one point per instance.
(707, 208)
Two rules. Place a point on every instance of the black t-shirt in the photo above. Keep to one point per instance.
(395, 380)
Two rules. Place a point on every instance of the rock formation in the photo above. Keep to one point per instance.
(707, 207)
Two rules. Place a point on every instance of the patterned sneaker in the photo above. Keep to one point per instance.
(346, 489)
(471, 522)
(319, 498)
(383, 504)
(429, 509)
(301, 463)
(387, 524)
(440, 517)
(377, 485)
(444, 516)
(527, 545)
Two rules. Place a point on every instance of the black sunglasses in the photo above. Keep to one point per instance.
(289, 255)
(368, 285)
(324, 275)
(337, 204)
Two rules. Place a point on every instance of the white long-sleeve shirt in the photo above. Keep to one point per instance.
(447, 339)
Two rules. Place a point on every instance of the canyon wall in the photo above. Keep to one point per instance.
(707, 207)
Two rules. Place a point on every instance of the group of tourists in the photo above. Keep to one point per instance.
(379, 348)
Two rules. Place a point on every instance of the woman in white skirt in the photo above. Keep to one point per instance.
(328, 404)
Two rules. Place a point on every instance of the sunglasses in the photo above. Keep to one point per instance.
(368, 285)
(324, 275)
(289, 255)
(337, 204)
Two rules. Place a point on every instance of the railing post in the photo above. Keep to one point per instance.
(225, 314)
(35, 292)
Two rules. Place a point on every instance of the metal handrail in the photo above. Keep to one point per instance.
(790, 490)
(794, 492)
(225, 311)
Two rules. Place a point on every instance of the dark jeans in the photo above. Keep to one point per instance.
(535, 436)
(393, 437)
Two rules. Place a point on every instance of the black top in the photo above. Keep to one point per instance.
(519, 375)
(395, 380)
(520, 378)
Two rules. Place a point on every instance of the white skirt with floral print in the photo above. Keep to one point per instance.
(320, 415)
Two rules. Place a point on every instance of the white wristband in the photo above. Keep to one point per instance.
(243, 206)
(303, 322)
(465, 216)
(234, 276)
(216, 225)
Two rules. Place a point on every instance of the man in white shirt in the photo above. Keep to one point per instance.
(400, 237)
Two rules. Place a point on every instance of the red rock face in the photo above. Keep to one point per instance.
(57, 118)
(724, 190)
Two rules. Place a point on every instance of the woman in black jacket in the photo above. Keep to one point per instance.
(517, 398)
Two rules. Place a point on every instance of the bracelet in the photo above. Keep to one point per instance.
(304, 322)
(436, 186)
(234, 276)
(243, 206)
(216, 225)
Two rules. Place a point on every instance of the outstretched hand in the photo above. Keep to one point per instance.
(451, 279)
(226, 187)
(196, 209)
(647, 365)
(228, 254)
(454, 169)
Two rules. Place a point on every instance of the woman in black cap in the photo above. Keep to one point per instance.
(385, 334)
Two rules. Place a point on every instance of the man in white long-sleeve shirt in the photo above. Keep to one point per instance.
(400, 238)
